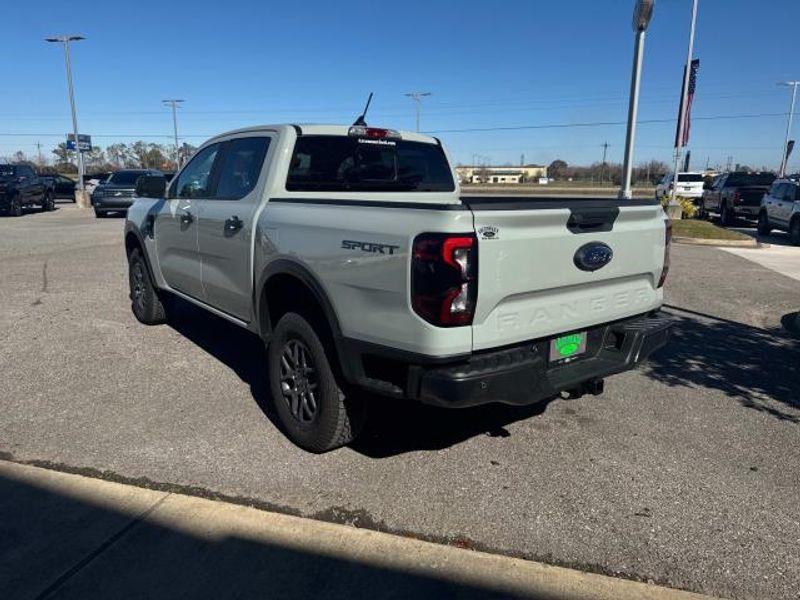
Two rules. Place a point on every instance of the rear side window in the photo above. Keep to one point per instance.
(242, 161)
(338, 163)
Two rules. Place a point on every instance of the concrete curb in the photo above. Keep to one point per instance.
(212, 521)
(751, 243)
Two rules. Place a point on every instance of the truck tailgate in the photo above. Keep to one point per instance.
(529, 284)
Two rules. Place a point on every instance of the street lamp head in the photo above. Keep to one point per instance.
(642, 13)
(65, 38)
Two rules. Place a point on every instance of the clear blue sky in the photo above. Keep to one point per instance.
(516, 63)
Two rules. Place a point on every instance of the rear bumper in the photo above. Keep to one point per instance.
(523, 375)
(743, 209)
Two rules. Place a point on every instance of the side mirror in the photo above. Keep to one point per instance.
(151, 186)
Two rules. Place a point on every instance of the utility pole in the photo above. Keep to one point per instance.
(65, 40)
(684, 103)
(642, 14)
(417, 97)
(173, 102)
(39, 153)
(603, 164)
(785, 158)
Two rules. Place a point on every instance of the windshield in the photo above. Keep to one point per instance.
(336, 163)
(7, 170)
(750, 179)
(690, 177)
(125, 177)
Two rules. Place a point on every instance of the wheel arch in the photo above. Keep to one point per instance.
(282, 275)
(134, 241)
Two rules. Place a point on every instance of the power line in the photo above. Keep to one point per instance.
(600, 123)
(438, 131)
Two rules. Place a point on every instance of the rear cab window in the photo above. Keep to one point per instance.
(690, 177)
(332, 163)
(743, 179)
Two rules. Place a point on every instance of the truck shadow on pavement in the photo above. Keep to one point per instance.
(756, 367)
(393, 426)
(56, 545)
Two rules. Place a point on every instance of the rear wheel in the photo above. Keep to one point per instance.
(726, 216)
(794, 231)
(763, 224)
(314, 410)
(48, 203)
(146, 304)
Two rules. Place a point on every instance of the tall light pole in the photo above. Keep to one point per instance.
(785, 158)
(65, 40)
(642, 14)
(684, 103)
(417, 97)
(173, 102)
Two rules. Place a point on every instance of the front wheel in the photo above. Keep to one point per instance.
(794, 231)
(763, 224)
(146, 304)
(312, 407)
(15, 207)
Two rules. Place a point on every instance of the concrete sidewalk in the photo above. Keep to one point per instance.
(69, 536)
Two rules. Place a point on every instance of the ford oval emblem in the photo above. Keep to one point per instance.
(593, 256)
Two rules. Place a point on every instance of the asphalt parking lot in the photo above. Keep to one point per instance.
(685, 472)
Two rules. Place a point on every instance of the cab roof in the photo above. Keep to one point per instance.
(322, 129)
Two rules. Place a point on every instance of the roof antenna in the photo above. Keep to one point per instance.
(360, 120)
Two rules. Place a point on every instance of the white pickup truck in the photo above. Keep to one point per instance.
(351, 252)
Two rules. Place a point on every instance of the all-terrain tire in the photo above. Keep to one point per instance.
(146, 303)
(314, 410)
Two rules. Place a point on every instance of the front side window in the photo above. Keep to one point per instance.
(194, 180)
(340, 163)
(241, 167)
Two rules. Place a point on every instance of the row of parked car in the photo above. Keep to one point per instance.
(773, 202)
(21, 188)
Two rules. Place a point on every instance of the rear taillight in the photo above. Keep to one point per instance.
(444, 278)
(667, 240)
(737, 197)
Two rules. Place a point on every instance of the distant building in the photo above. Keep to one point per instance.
(501, 175)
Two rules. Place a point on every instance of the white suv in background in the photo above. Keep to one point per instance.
(690, 185)
(780, 209)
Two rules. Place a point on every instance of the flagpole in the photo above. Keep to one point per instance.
(684, 102)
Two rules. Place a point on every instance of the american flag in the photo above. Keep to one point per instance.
(683, 137)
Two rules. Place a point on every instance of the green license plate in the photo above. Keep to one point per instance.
(568, 346)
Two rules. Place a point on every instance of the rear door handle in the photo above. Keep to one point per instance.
(233, 224)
